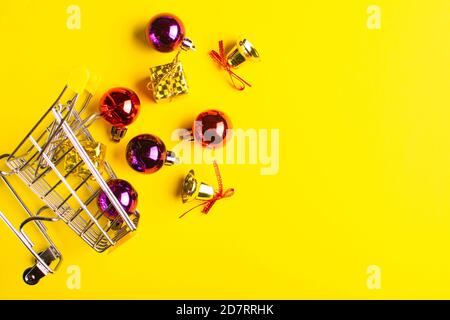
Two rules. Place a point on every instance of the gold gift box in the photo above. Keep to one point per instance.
(167, 81)
(96, 152)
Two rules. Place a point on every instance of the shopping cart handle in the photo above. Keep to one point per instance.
(93, 83)
(78, 79)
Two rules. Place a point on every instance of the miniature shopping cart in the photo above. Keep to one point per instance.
(38, 161)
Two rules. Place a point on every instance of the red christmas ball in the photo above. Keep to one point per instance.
(165, 32)
(211, 128)
(120, 106)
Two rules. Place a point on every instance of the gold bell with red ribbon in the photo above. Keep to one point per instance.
(193, 189)
(242, 51)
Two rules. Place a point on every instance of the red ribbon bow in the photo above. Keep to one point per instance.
(221, 58)
(220, 194)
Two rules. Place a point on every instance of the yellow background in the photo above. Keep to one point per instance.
(364, 173)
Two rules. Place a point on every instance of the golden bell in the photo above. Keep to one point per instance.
(241, 52)
(193, 190)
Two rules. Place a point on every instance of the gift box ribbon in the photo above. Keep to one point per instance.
(170, 74)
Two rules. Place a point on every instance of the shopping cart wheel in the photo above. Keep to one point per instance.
(32, 275)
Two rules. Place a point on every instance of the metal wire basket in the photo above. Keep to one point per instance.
(38, 161)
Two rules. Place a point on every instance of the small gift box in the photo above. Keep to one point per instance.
(167, 81)
(96, 152)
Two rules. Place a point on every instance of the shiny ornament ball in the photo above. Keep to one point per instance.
(120, 106)
(146, 153)
(211, 128)
(126, 195)
(165, 32)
